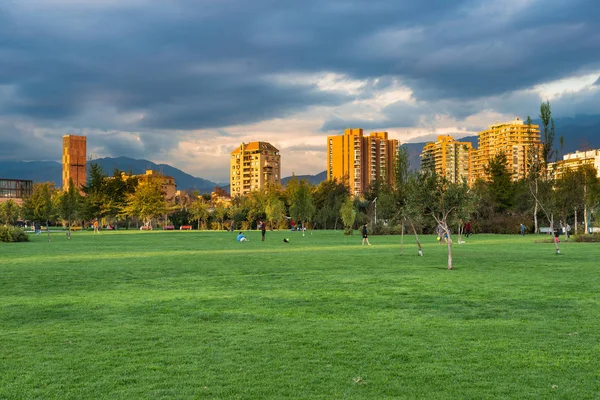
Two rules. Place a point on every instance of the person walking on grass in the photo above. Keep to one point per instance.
(263, 230)
(365, 235)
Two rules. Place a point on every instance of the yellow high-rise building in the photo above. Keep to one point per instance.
(74, 161)
(572, 161)
(361, 160)
(448, 158)
(518, 141)
(253, 165)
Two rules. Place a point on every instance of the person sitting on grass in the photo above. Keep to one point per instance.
(241, 237)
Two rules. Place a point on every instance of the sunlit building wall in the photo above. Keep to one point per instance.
(361, 160)
(253, 166)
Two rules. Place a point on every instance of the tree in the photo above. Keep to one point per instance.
(199, 210)
(412, 208)
(96, 202)
(40, 206)
(275, 210)
(302, 208)
(69, 204)
(147, 202)
(500, 184)
(220, 213)
(348, 214)
(115, 192)
(535, 169)
(328, 198)
(442, 200)
(9, 212)
(547, 134)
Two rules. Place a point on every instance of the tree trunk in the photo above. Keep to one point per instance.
(303, 225)
(585, 218)
(416, 237)
(554, 237)
(48, 230)
(449, 252)
(576, 225)
(198, 223)
(535, 210)
(402, 239)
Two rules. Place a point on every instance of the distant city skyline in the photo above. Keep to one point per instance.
(184, 82)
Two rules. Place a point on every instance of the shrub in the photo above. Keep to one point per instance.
(593, 238)
(10, 234)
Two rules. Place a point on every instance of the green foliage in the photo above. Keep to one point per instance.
(148, 202)
(593, 238)
(199, 211)
(348, 213)
(69, 204)
(11, 234)
(275, 211)
(302, 208)
(328, 198)
(9, 212)
(40, 206)
(500, 185)
(547, 132)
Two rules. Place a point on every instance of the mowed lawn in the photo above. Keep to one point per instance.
(125, 315)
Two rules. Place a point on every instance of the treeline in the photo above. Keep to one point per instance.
(415, 202)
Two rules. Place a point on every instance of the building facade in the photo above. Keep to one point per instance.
(572, 161)
(518, 141)
(15, 189)
(74, 159)
(252, 167)
(360, 159)
(449, 158)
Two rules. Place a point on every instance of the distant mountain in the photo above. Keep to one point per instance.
(314, 179)
(184, 181)
(51, 171)
(39, 171)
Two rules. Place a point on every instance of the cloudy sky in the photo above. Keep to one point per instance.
(186, 81)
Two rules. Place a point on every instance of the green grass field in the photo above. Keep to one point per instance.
(126, 315)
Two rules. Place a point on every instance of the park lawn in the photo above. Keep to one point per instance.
(125, 315)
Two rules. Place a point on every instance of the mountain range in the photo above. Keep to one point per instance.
(579, 133)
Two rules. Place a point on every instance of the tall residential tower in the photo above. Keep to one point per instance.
(448, 158)
(253, 165)
(73, 161)
(518, 141)
(361, 160)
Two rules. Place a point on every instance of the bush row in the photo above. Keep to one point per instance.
(9, 234)
(593, 238)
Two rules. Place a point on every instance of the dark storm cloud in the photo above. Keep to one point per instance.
(22, 144)
(190, 65)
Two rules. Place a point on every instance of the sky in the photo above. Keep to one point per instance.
(184, 82)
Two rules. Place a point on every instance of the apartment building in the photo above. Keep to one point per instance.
(74, 161)
(518, 141)
(360, 159)
(252, 166)
(572, 161)
(449, 158)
